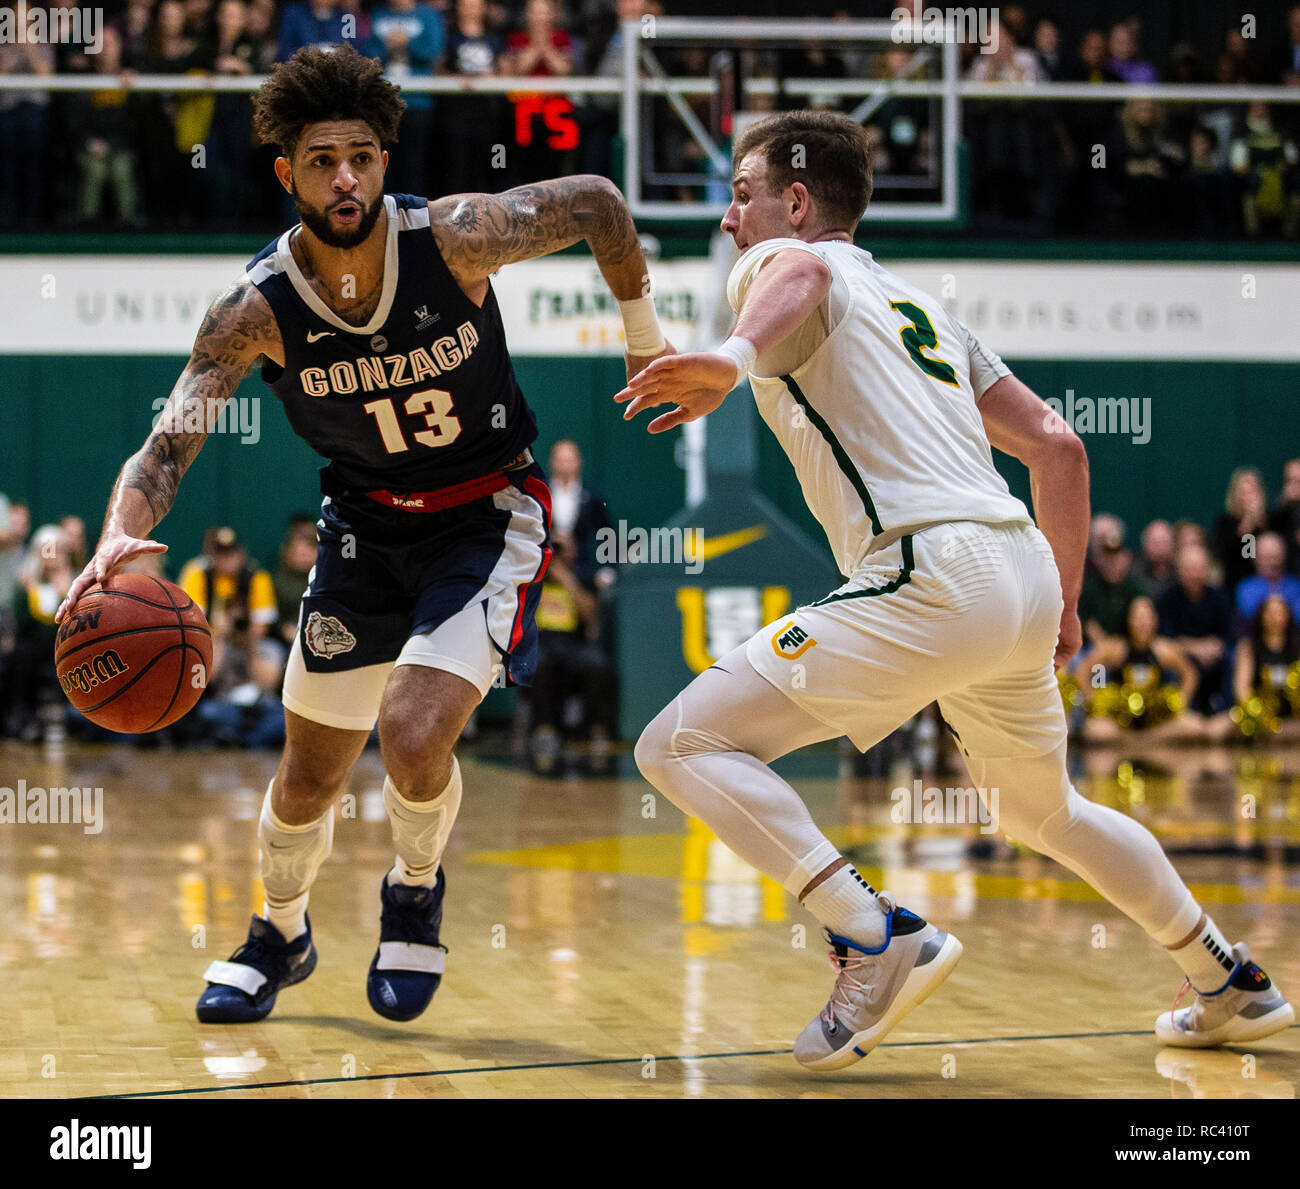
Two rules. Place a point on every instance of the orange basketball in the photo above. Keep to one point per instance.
(134, 654)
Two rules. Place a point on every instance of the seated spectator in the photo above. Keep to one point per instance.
(544, 140)
(1138, 693)
(1266, 162)
(105, 145)
(1108, 591)
(1149, 164)
(1047, 49)
(469, 127)
(73, 529)
(241, 706)
(1246, 66)
(1286, 60)
(1188, 533)
(317, 22)
(1237, 530)
(409, 38)
(1125, 62)
(1198, 618)
(23, 131)
(1284, 519)
(15, 524)
(227, 586)
(1093, 63)
(235, 53)
(36, 704)
(297, 557)
(541, 48)
(1270, 577)
(1009, 63)
(1266, 680)
(1211, 199)
(1154, 569)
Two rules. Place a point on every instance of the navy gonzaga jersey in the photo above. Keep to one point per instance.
(423, 396)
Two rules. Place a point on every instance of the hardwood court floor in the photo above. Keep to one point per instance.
(599, 951)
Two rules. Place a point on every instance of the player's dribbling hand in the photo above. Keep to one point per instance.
(697, 383)
(638, 363)
(113, 553)
(1069, 639)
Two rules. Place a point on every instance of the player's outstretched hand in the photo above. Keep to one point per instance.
(1069, 639)
(696, 383)
(637, 363)
(113, 553)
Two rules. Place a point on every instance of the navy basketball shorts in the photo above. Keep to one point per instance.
(455, 589)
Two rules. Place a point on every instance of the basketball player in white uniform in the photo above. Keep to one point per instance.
(887, 407)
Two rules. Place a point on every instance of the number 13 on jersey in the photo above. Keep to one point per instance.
(435, 403)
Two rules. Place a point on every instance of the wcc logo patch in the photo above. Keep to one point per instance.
(791, 641)
(423, 318)
(326, 636)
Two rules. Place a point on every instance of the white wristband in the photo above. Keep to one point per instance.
(741, 352)
(641, 326)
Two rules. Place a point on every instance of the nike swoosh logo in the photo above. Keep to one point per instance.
(700, 550)
(313, 335)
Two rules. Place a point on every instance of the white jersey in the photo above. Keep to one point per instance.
(874, 398)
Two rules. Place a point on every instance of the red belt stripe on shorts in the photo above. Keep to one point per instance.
(453, 496)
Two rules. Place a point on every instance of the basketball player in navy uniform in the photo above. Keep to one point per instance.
(375, 324)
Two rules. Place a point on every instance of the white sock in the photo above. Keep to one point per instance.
(290, 857)
(290, 918)
(1207, 959)
(421, 830)
(846, 904)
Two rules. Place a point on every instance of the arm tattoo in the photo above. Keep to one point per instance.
(479, 233)
(236, 331)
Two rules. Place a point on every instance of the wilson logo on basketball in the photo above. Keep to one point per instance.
(792, 641)
(96, 671)
(326, 636)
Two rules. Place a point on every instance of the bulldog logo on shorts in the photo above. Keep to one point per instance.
(326, 636)
(791, 641)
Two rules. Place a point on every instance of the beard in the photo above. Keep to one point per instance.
(317, 221)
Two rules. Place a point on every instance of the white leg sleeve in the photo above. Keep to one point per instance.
(1037, 805)
(706, 753)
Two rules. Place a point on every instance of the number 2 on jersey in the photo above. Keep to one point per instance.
(919, 337)
(434, 403)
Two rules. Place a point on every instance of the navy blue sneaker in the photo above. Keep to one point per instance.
(244, 988)
(408, 965)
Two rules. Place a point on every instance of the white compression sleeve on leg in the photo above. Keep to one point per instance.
(421, 830)
(1116, 855)
(702, 752)
(290, 857)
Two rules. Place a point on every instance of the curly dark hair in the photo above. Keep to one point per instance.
(317, 85)
(829, 152)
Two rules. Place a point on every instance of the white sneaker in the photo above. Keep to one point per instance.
(1247, 1007)
(874, 989)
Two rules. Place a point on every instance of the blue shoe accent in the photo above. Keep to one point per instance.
(409, 948)
(264, 965)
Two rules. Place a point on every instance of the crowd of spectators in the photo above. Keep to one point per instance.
(567, 719)
(1192, 635)
(134, 159)
(1197, 635)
